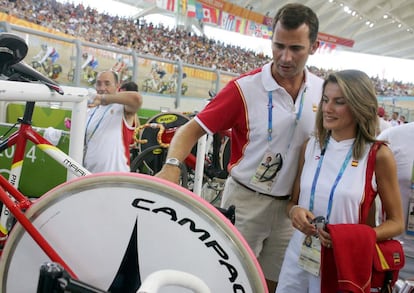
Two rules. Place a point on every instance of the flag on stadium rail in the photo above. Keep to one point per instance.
(268, 21)
(240, 25)
(191, 8)
(199, 11)
(167, 4)
(250, 28)
(182, 7)
(206, 13)
(171, 5)
(228, 21)
(266, 32)
(325, 48)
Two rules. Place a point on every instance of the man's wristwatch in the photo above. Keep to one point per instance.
(174, 162)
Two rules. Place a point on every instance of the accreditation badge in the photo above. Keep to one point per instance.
(310, 255)
(267, 171)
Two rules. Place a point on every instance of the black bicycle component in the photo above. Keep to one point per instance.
(229, 213)
(214, 169)
(151, 160)
(23, 72)
(13, 49)
(54, 279)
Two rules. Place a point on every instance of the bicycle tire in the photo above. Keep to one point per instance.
(110, 210)
(224, 153)
(151, 160)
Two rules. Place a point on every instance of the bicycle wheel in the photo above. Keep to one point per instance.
(225, 151)
(56, 70)
(107, 225)
(36, 65)
(151, 160)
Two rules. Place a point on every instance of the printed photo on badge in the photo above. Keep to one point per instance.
(270, 167)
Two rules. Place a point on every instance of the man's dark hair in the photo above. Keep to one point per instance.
(293, 15)
(129, 86)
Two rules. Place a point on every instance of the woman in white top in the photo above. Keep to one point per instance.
(331, 178)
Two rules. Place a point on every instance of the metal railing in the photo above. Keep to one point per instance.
(71, 50)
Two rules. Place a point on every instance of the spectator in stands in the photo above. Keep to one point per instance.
(394, 119)
(282, 94)
(111, 122)
(87, 24)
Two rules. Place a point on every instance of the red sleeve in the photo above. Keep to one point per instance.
(228, 111)
(225, 111)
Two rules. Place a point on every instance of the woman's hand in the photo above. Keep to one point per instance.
(301, 220)
(325, 238)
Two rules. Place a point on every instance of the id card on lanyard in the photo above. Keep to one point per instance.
(267, 171)
(310, 257)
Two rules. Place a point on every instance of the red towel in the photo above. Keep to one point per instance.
(347, 266)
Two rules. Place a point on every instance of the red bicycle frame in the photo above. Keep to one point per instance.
(16, 208)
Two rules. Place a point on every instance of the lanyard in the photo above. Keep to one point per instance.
(86, 142)
(270, 116)
(338, 177)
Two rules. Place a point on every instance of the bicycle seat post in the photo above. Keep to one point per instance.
(28, 113)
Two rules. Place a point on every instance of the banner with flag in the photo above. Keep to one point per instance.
(250, 28)
(227, 21)
(258, 30)
(167, 4)
(191, 8)
(182, 7)
(199, 11)
(206, 13)
(240, 25)
(325, 48)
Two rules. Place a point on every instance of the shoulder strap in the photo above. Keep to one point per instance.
(369, 192)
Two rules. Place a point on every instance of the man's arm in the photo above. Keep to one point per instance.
(180, 147)
(131, 100)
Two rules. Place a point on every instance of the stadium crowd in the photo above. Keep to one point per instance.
(146, 38)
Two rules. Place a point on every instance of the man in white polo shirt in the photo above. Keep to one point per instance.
(271, 112)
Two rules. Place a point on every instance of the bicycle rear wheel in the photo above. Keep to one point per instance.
(99, 222)
(151, 160)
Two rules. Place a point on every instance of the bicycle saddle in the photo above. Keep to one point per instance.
(13, 49)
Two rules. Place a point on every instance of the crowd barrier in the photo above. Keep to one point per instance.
(198, 79)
